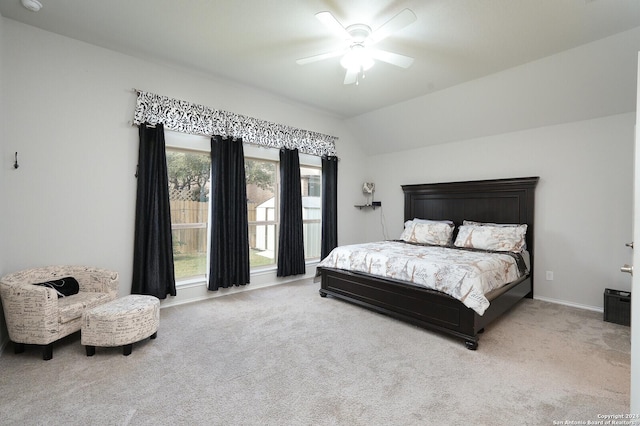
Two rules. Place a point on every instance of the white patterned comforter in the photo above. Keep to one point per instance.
(462, 274)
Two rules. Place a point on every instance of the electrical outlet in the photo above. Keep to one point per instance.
(549, 275)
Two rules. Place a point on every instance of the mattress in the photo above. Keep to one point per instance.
(465, 274)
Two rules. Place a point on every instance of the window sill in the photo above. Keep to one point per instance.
(200, 281)
(192, 282)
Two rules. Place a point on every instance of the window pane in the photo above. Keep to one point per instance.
(262, 204)
(312, 240)
(189, 184)
(262, 245)
(311, 183)
(189, 253)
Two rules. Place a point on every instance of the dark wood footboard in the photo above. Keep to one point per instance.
(419, 306)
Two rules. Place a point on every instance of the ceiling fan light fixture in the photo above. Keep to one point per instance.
(358, 55)
(357, 59)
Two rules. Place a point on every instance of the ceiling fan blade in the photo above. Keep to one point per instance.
(394, 24)
(320, 57)
(392, 58)
(330, 21)
(351, 76)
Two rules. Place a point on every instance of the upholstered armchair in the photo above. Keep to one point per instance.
(36, 315)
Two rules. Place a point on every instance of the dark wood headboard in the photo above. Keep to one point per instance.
(496, 200)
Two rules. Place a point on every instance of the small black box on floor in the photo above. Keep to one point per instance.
(617, 306)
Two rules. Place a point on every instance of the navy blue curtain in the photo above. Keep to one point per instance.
(329, 205)
(153, 272)
(291, 237)
(229, 252)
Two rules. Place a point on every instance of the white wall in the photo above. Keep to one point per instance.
(583, 200)
(4, 169)
(582, 149)
(73, 198)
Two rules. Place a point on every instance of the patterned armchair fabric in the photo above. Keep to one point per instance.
(35, 314)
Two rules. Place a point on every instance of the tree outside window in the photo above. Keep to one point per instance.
(189, 174)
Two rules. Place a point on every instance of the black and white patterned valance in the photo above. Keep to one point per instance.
(185, 117)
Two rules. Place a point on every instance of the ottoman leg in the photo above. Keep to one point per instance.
(18, 348)
(47, 352)
(126, 349)
(154, 335)
(91, 350)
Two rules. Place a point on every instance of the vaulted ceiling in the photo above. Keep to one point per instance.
(257, 42)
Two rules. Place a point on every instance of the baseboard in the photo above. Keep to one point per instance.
(197, 291)
(573, 305)
(203, 294)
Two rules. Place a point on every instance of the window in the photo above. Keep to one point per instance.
(311, 180)
(263, 204)
(262, 208)
(189, 170)
(189, 178)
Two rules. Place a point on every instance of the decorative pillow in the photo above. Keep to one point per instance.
(63, 286)
(494, 237)
(428, 232)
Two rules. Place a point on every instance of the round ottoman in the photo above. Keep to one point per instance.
(121, 322)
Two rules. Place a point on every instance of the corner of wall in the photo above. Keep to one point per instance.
(4, 335)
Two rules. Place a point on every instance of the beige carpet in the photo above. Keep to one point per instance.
(285, 356)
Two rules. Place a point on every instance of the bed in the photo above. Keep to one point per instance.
(502, 201)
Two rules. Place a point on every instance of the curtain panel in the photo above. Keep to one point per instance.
(229, 254)
(290, 236)
(186, 117)
(153, 272)
(329, 205)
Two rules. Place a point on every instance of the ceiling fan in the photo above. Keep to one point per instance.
(359, 54)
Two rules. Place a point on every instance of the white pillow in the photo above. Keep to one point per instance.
(427, 232)
(493, 237)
